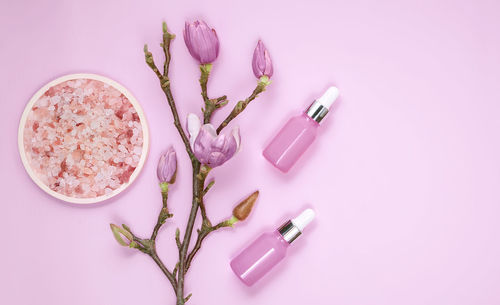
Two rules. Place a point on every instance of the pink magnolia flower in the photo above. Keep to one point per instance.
(261, 62)
(201, 41)
(208, 147)
(167, 166)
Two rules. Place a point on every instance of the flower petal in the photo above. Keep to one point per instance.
(202, 145)
(210, 129)
(193, 126)
(188, 39)
(236, 134)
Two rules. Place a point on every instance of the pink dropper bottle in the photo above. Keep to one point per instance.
(269, 249)
(299, 132)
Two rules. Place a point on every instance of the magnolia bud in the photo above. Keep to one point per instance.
(244, 208)
(261, 62)
(119, 233)
(201, 41)
(167, 167)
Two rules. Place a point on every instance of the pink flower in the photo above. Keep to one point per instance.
(261, 62)
(201, 41)
(208, 147)
(167, 166)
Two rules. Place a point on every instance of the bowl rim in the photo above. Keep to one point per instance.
(135, 104)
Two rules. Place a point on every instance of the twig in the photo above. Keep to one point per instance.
(209, 107)
(241, 105)
(164, 269)
(166, 48)
(202, 234)
(148, 246)
(162, 217)
(208, 187)
(177, 238)
(210, 104)
(151, 63)
(165, 85)
(197, 198)
(202, 176)
(176, 268)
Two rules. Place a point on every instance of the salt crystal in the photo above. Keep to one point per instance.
(43, 102)
(55, 99)
(81, 137)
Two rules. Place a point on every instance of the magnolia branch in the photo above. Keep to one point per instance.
(147, 246)
(199, 176)
(197, 189)
(241, 105)
(165, 85)
(210, 104)
(202, 234)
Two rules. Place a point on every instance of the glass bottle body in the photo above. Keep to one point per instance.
(291, 142)
(259, 257)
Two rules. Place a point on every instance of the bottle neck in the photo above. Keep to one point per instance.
(316, 111)
(289, 231)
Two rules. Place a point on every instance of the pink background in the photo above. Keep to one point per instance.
(404, 178)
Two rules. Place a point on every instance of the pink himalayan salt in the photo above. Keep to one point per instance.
(83, 138)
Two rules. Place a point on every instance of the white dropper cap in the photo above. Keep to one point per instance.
(303, 219)
(319, 108)
(327, 99)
